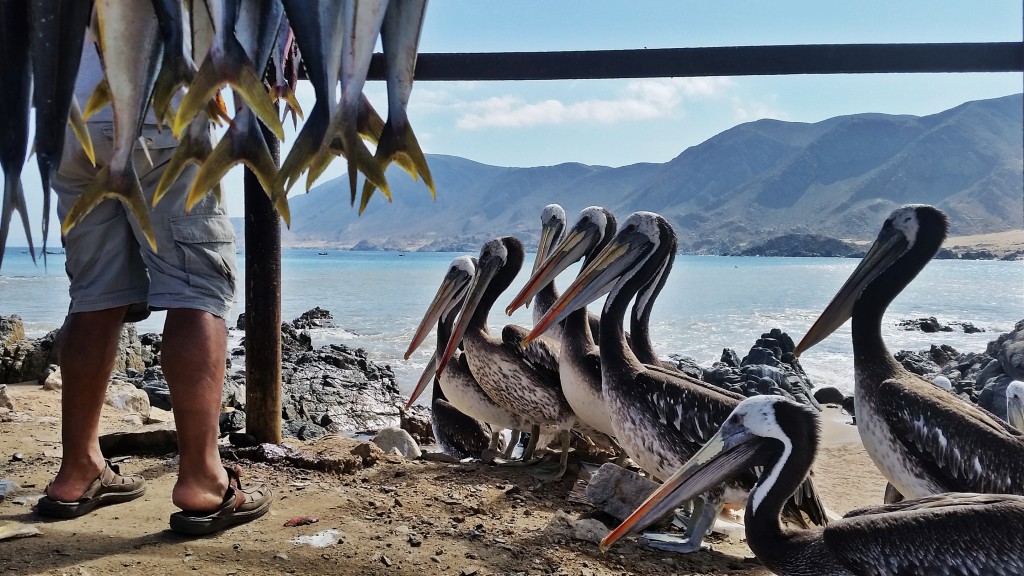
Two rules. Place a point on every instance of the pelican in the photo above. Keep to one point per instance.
(922, 440)
(457, 433)
(457, 383)
(579, 360)
(1015, 404)
(660, 417)
(522, 379)
(944, 534)
(552, 228)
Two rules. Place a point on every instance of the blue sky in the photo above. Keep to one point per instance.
(620, 122)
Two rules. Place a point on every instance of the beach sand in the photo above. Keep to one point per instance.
(396, 517)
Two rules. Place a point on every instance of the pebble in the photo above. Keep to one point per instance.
(385, 560)
(8, 488)
(281, 556)
(17, 457)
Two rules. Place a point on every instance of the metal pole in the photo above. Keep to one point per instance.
(262, 307)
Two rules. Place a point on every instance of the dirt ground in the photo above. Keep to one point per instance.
(395, 517)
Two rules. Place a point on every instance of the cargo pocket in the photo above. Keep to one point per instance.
(207, 245)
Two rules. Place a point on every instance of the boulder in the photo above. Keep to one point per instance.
(416, 421)
(127, 398)
(315, 318)
(5, 399)
(12, 330)
(617, 491)
(50, 379)
(390, 439)
(828, 395)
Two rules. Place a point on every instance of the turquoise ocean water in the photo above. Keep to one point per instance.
(709, 303)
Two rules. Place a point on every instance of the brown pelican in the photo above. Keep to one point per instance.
(1015, 404)
(579, 360)
(660, 417)
(457, 383)
(552, 228)
(922, 440)
(912, 537)
(457, 433)
(522, 379)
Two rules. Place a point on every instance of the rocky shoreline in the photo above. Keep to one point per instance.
(336, 389)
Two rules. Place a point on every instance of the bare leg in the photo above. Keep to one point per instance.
(89, 346)
(194, 349)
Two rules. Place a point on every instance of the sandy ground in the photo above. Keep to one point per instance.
(395, 517)
(999, 243)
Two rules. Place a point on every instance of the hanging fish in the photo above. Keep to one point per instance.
(15, 101)
(400, 35)
(130, 51)
(286, 72)
(227, 63)
(177, 68)
(58, 34)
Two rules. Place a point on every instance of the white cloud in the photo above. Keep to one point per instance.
(749, 110)
(639, 100)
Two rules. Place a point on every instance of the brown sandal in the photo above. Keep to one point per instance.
(240, 505)
(110, 487)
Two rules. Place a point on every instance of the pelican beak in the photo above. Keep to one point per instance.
(888, 247)
(484, 274)
(596, 280)
(729, 452)
(452, 288)
(570, 250)
(425, 378)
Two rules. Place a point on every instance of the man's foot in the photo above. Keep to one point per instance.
(110, 487)
(240, 505)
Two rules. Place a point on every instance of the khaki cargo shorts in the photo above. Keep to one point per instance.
(109, 261)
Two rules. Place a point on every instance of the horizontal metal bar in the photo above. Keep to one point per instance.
(718, 61)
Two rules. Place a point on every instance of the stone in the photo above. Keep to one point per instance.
(416, 421)
(1011, 355)
(132, 420)
(232, 421)
(562, 525)
(993, 395)
(315, 318)
(157, 439)
(127, 398)
(828, 395)
(51, 379)
(5, 399)
(390, 439)
(926, 325)
(369, 452)
(848, 404)
(25, 359)
(12, 329)
(617, 491)
(943, 382)
(8, 488)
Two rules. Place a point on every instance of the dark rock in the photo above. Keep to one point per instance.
(240, 323)
(945, 254)
(993, 395)
(232, 421)
(968, 328)
(155, 439)
(303, 430)
(416, 421)
(687, 365)
(828, 395)
(242, 440)
(315, 318)
(927, 325)
(341, 383)
(730, 358)
(150, 344)
(848, 405)
(917, 363)
(24, 359)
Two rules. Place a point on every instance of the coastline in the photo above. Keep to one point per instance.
(394, 517)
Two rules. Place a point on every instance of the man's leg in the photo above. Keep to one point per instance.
(89, 345)
(194, 349)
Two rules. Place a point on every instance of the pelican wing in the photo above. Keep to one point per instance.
(541, 353)
(962, 447)
(912, 537)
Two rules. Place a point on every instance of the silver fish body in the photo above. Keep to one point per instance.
(15, 102)
(131, 49)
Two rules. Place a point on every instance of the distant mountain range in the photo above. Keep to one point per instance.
(839, 177)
